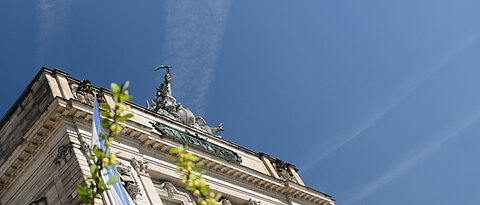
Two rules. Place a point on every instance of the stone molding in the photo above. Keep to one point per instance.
(33, 140)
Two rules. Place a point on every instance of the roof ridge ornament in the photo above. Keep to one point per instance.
(165, 104)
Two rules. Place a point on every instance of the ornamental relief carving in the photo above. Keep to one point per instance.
(283, 169)
(85, 92)
(64, 152)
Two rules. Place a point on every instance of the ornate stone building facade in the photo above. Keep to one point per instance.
(45, 136)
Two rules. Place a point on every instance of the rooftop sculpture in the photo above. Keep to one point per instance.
(165, 104)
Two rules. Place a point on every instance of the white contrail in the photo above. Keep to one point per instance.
(194, 31)
(414, 158)
(320, 151)
(52, 21)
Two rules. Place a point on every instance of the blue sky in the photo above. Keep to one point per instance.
(376, 102)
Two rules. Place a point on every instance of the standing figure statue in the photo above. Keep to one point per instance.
(164, 98)
(165, 104)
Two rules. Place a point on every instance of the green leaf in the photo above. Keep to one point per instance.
(105, 106)
(124, 96)
(114, 127)
(172, 158)
(98, 152)
(81, 190)
(112, 180)
(105, 123)
(108, 115)
(174, 150)
(125, 85)
(218, 197)
(93, 169)
(115, 88)
(89, 193)
(204, 190)
(125, 117)
(197, 165)
(102, 135)
(192, 158)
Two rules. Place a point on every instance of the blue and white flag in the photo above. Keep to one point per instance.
(117, 193)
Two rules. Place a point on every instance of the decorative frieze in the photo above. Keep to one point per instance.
(197, 142)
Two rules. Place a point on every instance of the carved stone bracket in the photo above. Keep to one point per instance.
(169, 188)
(252, 202)
(62, 153)
(41, 201)
(84, 148)
(140, 166)
(225, 201)
(101, 96)
(128, 181)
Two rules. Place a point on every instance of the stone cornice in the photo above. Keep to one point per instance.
(33, 139)
(22, 97)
